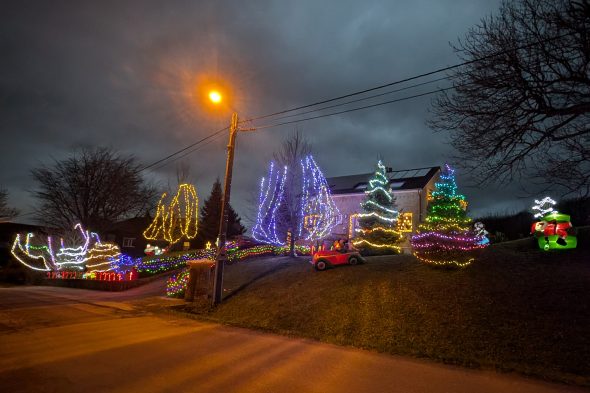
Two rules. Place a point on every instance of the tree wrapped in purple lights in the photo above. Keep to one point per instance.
(272, 188)
(285, 192)
(445, 238)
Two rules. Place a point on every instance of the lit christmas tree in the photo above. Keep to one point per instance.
(378, 232)
(445, 237)
(316, 212)
(267, 228)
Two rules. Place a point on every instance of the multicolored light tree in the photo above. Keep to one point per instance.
(378, 231)
(445, 238)
(315, 206)
(176, 220)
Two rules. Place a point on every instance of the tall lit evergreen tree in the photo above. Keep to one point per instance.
(445, 237)
(211, 214)
(378, 222)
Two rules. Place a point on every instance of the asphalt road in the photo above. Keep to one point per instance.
(68, 340)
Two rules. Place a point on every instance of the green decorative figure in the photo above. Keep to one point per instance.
(554, 231)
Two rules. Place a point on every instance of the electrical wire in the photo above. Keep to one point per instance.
(184, 149)
(437, 71)
(349, 102)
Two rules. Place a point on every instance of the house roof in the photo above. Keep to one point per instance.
(135, 225)
(407, 179)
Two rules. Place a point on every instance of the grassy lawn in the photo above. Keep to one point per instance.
(515, 309)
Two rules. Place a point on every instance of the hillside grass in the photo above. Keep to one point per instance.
(515, 309)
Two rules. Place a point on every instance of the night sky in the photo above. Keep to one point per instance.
(124, 74)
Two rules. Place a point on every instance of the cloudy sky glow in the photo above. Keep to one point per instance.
(125, 74)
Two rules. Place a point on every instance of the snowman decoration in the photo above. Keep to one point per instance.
(480, 231)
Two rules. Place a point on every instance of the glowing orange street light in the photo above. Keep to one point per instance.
(215, 97)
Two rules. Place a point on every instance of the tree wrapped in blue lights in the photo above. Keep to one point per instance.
(445, 238)
(378, 232)
(316, 212)
(268, 228)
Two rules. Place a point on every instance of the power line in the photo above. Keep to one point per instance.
(184, 149)
(188, 152)
(448, 68)
(351, 95)
(362, 99)
(361, 108)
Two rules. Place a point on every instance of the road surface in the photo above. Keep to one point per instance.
(69, 340)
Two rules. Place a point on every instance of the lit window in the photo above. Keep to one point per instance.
(404, 222)
(353, 225)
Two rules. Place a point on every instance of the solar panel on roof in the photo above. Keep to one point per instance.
(422, 172)
(398, 175)
(413, 173)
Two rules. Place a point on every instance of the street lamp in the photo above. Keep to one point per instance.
(216, 98)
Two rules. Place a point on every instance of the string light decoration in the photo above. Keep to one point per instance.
(378, 228)
(272, 190)
(91, 255)
(315, 202)
(38, 258)
(544, 207)
(445, 238)
(177, 220)
(176, 284)
(102, 256)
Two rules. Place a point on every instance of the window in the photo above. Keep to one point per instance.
(353, 225)
(404, 222)
(128, 242)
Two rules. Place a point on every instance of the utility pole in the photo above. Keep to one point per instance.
(221, 253)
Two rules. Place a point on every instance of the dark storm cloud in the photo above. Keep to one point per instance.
(123, 74)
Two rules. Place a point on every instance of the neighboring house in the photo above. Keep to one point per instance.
(410, 188)
(128, 235)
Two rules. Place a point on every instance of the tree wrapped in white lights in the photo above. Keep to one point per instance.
(316, 211)
(317, 204)
(378, 231)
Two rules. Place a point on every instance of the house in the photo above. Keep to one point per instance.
(128, 235)
(410, 187)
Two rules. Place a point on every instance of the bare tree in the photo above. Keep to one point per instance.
(95, 187)
(292, 151)
(6, 213)
(524, 109)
